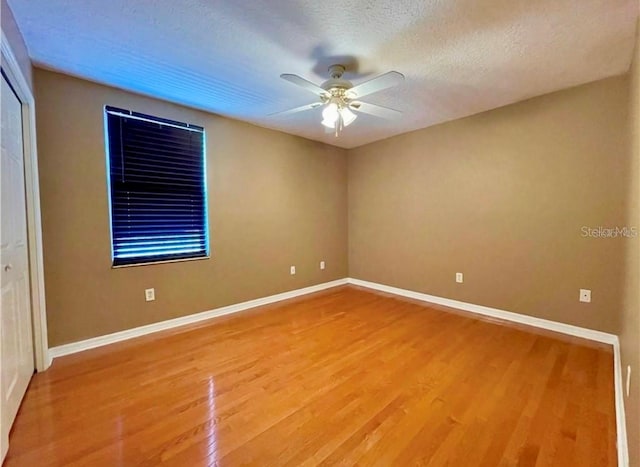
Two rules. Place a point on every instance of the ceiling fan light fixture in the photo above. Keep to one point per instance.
(334, 112)
(347, 116)
(329, 123)
(330, 113)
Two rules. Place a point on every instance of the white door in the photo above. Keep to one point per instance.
(16, 354)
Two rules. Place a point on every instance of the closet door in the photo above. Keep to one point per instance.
(16, 352)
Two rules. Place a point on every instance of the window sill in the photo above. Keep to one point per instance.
(151, 263)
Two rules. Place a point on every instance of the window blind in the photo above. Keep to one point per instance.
(158, 188)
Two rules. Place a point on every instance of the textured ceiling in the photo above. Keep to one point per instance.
(459, 57)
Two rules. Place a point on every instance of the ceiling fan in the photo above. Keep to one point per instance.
(340, 97)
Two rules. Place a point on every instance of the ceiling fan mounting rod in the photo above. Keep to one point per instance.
(336, 71)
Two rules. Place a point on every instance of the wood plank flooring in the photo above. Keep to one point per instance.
(342, 377)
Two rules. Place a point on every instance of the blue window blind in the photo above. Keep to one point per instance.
(158, 188)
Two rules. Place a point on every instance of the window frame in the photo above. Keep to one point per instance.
(142, 261)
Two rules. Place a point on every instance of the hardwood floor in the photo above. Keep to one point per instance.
(344, 377)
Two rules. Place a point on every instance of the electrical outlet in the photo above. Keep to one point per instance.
(628, 378)
(459, 278)
(150, 294)
(321, 264)
(293, 270)
(585, 295)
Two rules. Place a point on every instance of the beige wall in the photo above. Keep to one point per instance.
(274, 200)
(14, 37)
(501, 197)
(630, 325)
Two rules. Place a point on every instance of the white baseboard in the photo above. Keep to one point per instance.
(569, 329)
(599, 336)
(99, 341)
(621, 424)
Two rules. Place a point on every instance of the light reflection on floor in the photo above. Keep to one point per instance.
(212, 443)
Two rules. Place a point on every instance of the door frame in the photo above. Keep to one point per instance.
(32, 189)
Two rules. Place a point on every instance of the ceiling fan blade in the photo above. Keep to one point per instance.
(302, 108)
(308, 85)
(377, 110)
(376, 84)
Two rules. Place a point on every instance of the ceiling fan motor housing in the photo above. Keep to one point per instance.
(336, 82)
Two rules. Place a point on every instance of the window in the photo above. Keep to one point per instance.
(157, 184)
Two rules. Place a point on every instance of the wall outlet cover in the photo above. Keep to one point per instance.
(585, 295)
(149, 294)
